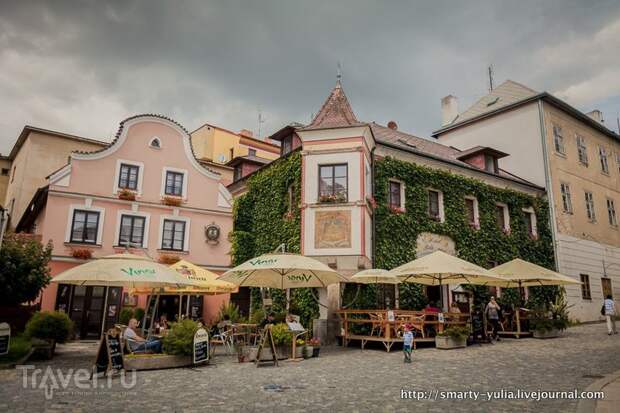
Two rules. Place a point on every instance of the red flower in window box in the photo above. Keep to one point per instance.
(171, 201)
(82, 253)
(127, 195)
(169, 259)
(397, 210)
(332, 198)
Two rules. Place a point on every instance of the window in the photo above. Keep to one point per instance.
(231, 153)
(291, 198)
(174, 183)
(590, 206)
(582, 151)
(434, 205)
(606, 285)
(567, 205)
(5, 171)
(155, 143)
(173, 237)
(611, 212)
(490, 164)
(558, 140)
(604, 163)
(333, 183)
(238, 173)
(128, 177)
(502, 218)
(586, 294)
(251, 152)
(395, 198)
(84, 227)
(287, 145)
(471, 209)
(529, 219)
(132, 231)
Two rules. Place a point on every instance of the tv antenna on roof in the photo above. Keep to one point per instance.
(261, 120)
(490, 78)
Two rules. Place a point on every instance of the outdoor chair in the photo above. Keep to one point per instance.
(417, 324)
(224, 338)
(377, 324)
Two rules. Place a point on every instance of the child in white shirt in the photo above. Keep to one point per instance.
(407, 343)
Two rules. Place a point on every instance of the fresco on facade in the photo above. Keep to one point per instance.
(332, 229)
(428, 242)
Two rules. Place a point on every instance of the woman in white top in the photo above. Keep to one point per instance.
(609, 308)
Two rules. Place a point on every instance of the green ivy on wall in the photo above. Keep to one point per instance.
(396, 234)
(264, 219)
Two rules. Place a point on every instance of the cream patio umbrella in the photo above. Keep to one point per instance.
(375, 276)
(282, 271)
(521, 273)
(439, 268)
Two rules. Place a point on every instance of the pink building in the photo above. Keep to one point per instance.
(145, 191)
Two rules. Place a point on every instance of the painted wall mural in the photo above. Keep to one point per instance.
(332, 229)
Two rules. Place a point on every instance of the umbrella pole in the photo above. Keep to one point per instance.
(154, 313)
(187, 307)
(518, 311)
(180, 307)
(146, 313)
(105, 311)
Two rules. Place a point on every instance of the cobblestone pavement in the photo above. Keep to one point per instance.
(341, 379)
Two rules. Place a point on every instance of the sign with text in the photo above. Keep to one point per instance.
(441, 318)
(5, 338)
(201, 346)
(110, 353)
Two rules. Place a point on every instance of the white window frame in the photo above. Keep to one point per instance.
(476, 211)
(86, 206)
(557, 133)
(533, 221)
(117, 174)
(119, 222)
(566, 193)
(604, 160)
(612, 216)
(164, 172)
(506, 215)
(581, 144)
(589, 201)
(160, 239)
(155, 138)
(402, 192)
(442, 215)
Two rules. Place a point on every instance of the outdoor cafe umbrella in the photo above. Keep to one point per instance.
(439, 268)
(282, 271)
(375, 276)
(521, 273)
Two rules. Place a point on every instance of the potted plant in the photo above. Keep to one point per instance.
(300, 345)
(452, 337)
(171, 201)
(47, 328)
(282, 339)
(168, 259)
(315, 344)
(127, 195)
(82, 253)
(549, 321)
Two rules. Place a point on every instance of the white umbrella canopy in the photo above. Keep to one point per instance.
(439, 268)
(124, 270)
(282, 270)
(375, 276)
(521, 273)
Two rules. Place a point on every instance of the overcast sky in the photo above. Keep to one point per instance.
(81, 67)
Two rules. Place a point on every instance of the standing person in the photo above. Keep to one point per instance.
(407, 342)
(492, 312)
(609, 308)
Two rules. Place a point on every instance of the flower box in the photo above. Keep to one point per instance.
(397, 210)
(169, 259)
(447, 342)
(82, 253)
(332, 199)
(171, 201)
(127, 195)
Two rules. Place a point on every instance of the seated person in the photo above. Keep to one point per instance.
(270, 319)
(137, 343)
(431, 308)
(454, 308)
(162, 325)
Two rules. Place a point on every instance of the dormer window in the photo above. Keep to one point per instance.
(482, 157)
(490, 163)
(287, 145)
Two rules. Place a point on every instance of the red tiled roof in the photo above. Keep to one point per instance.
(335, 112)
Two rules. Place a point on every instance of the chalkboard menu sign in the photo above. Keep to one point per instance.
(201, 346)
(110, 353)
(5, 338)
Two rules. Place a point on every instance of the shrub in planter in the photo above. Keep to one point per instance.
(231, 310)
(54, 326)
(257, 316)
(180, 339)
(452, 337)
(315, 344)
(282, 339)
(549, 320)
(125, 315)
(138, 314)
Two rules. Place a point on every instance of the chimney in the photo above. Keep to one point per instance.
(597, 115)
(246, 133)
(449, 109)
(392, 125)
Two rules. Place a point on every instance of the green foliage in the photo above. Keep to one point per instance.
(50, 325)
(258, 315)
(23, 269)
(551, 315)
(510, 297)
(138, 314)
(396, 234)
(19, 346)
(231, 310)
(125, 315)
(412, 296)
(180, 338)
(281, 334)
(457, 333)
(305, 306)
(543, 295)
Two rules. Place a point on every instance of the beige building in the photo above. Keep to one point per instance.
(572, 154)
(219, 145)
(5, 171)
(36, 154)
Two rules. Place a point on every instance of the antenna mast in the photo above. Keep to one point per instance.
(490, 78)
(261, 120)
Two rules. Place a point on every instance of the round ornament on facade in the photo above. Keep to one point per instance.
(212, 233)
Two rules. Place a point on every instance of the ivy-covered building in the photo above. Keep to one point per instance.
(359, 195)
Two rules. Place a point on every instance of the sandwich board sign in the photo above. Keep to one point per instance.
(5, 338)
(266, 339)
(201, 346)
(110, 354)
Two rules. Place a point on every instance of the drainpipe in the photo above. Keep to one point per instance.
(554, 229)
(373, 246)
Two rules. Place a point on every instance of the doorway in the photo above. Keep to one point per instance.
(85, 308)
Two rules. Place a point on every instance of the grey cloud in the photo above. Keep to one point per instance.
(83, 66)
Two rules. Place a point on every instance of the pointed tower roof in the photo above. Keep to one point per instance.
(336, 111)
